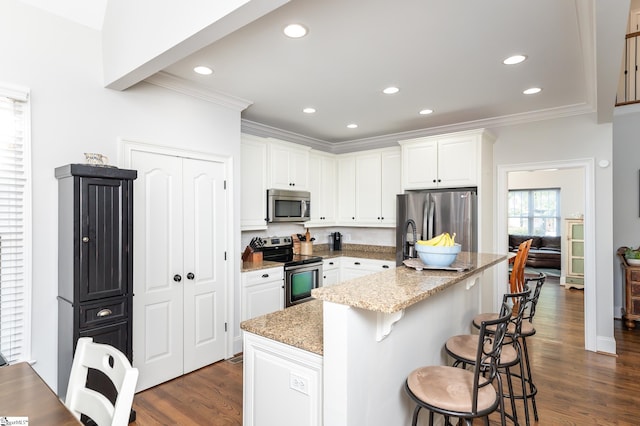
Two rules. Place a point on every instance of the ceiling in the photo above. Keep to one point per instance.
(443, 55)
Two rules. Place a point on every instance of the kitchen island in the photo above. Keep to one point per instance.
(350, 370)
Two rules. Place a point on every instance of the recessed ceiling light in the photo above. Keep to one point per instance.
(390, 90)
(309, 110)
(515, 59)
(295, 31)
(426, 111)
(203, 70)
(352, 126)
(532, 91)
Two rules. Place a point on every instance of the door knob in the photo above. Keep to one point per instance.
(190, 276)
(177, 278)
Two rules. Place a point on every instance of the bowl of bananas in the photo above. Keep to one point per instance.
(440, 251)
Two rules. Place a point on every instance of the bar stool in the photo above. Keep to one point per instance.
(465, 394)
(462, 348)
(527, 330)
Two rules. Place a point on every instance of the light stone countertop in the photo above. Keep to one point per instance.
(389, 291)
(299, 326)
(255, 266)
(397, 289)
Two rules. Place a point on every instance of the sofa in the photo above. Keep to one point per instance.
(544, 252)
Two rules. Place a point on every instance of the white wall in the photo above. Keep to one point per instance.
(60, 62)
(626, 189)
(571, 138)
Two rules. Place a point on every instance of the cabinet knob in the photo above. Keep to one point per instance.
(85, 239)
(265, 275)
(177, 278)
(385, 266)
(356, 263)
(104, 313)
(190, 276)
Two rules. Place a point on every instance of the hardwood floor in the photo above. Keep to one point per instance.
(575, 387)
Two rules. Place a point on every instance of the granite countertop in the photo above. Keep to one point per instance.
(299, 326)
(396, 289)
(255, 266)
(389, 291)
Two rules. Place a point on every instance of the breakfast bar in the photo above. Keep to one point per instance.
(342, 359)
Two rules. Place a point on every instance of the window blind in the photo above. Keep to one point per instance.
(14, 225)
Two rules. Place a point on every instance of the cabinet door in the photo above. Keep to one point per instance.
(262, 299)
(331, 277)
(346, 190)
(253, 175)
(420, 165)
(279, 167)
(368, 192)
(315, 188)
(391, 165)
(103, 242)
(299, 169)
(328, 188)
(457, 161)
(576, 249)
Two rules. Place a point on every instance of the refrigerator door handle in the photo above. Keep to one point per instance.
(428, 225)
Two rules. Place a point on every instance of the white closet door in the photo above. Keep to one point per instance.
(158, 256)
(204, 257)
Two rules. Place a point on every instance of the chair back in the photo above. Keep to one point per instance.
(534, 297)
(115, 365)
(516, 278)
(520, 303)
(491, 339)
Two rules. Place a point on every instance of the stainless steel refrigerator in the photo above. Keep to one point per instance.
(434, 212)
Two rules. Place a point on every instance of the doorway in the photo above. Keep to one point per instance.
(586, 168)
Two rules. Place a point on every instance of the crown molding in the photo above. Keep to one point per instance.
(385, 141)
(180, 85)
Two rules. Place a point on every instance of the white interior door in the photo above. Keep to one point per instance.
(204, 257)
(158, 254)
(179, 266)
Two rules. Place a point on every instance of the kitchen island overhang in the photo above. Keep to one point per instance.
(375, 330)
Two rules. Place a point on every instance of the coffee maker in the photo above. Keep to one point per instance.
(337, 240)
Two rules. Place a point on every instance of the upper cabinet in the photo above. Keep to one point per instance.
(323, 187)
(444, 161)
(253, 175)
(288, 165)
(369, 182)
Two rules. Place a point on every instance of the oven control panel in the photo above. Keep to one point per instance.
(276, 241)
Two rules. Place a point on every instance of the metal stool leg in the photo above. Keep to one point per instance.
(532, 387)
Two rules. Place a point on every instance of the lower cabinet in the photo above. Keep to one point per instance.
(331, 271)
(262, 292)
(282, 385)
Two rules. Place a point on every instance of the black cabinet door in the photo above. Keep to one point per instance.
(103, 239)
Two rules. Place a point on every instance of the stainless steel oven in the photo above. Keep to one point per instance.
(299, 280)
(302, 273)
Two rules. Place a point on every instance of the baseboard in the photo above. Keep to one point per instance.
(606, 345)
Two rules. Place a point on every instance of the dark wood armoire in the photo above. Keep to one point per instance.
(95, 264)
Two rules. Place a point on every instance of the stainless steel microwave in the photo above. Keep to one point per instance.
(288, 206)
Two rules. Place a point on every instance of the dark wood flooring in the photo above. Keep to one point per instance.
(575, 387)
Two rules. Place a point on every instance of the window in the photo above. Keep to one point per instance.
(534, 212)
(15, 224)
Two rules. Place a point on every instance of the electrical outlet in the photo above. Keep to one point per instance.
(299, 383)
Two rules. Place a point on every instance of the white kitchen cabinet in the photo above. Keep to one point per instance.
(323, 187)
(288, 165)
(262, 292)
(369, 182)
(331, 271)
(346, 190)
(355, 267)
(253, 183)
(282, 384)
(443, 161)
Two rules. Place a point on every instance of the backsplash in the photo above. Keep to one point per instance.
(350, 235)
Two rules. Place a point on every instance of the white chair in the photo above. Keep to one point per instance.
(115, 365)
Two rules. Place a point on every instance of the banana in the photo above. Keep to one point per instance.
(442, 240)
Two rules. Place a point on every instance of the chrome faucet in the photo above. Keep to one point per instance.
(408, 249)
